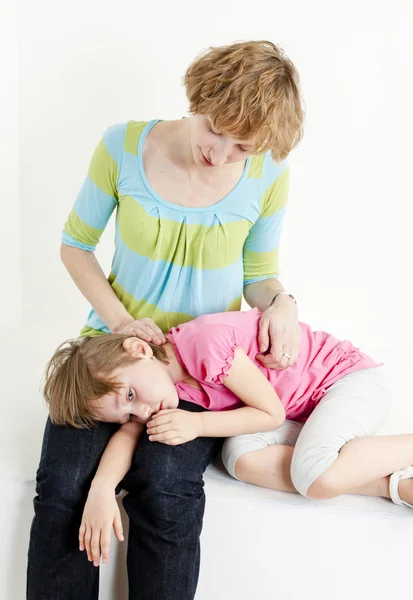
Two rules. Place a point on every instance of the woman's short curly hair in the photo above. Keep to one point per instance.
(249, 90)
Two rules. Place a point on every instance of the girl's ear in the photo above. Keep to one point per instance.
(137, 348)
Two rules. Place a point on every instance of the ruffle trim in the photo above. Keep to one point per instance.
(227, 364)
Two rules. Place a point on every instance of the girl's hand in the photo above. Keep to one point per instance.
(100, 514)
(145, 329)
(279, 334)
(174, 426)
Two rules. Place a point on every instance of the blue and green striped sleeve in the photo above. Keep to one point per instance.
(261, 248)
(98, 196)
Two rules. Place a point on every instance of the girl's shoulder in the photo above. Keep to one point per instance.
(218, 329)
(207, 344)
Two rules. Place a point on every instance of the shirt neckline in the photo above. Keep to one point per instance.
(171, 205)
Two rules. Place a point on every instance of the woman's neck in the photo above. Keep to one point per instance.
(174, 138)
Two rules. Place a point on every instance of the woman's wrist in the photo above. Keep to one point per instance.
(121, 322)
(282, 294)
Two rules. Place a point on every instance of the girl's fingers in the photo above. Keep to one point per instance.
(105, 544)
(163, 437)
(82, 530)
(118, 527)
(88, 536)
(158, 429)
(95, 547)
(174, 441)
(160, 418)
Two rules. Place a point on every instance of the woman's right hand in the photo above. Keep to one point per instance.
(145, 329)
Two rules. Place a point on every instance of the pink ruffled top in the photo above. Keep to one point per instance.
(206, 345)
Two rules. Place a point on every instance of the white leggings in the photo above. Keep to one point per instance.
(355, 406)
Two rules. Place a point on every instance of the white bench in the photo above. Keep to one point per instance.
(255, 543)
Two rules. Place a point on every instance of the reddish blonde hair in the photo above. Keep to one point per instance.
(249, 89)
(81, 371)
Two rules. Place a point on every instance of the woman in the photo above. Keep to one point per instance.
(199, 208)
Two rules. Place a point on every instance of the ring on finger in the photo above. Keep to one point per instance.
(287, 356)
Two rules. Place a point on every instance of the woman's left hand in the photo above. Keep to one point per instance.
(279, 334)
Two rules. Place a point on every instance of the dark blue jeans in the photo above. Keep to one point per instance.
(165, 505)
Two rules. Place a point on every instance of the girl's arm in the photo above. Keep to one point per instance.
(117, 457)
(101, 511)
(263, 410)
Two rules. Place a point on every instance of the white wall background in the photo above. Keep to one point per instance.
(346, 247)
(347, 243)
(10, 229)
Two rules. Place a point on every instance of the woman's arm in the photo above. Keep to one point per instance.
(95, 203)
(87, 274)
(279, 332)
(261, 293)
(279, 329)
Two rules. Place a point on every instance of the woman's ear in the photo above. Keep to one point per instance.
(137, 348)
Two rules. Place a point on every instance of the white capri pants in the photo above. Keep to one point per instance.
(355, 406)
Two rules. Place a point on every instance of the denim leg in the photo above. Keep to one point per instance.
(165, 505)
(69, 459)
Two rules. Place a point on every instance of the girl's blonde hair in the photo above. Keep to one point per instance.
(249, 89)
(81, 371)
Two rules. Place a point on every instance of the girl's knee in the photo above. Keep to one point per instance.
(239, 446)
(237, 450)
(308, 480)
(244, 465)
(324, 487)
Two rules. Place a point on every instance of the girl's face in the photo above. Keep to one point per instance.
(146, 387)
(210, 148)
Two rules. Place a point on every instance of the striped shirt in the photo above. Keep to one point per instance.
(173, 263)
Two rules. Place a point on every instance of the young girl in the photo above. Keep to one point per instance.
(316, 418)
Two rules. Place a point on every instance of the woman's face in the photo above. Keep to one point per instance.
(211, 149)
